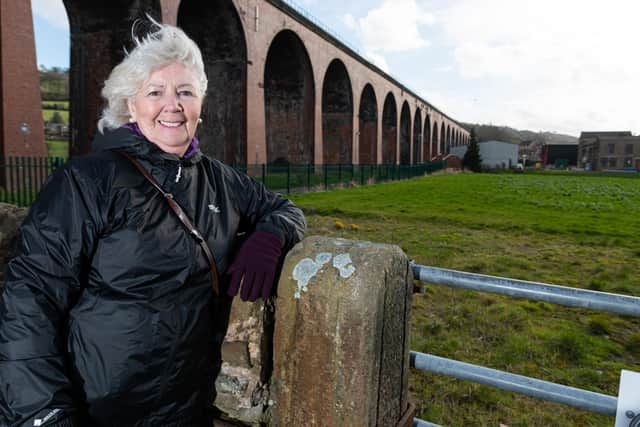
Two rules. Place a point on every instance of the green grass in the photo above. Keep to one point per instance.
(569, 230)
(47, 114)
(63, 104)
(57, 148)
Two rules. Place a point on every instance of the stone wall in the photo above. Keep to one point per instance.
(10, 219)
(243, 383)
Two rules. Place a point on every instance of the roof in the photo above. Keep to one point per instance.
(500, 142)
(576, 142)
(627, 138)
(596, 134)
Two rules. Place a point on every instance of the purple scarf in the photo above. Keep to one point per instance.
(193, 146)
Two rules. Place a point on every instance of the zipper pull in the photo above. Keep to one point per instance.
(179, 174)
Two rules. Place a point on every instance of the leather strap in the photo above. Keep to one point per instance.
(175, 207)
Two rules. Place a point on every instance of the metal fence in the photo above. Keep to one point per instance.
(294, 178)
(22, 177)
(573, 297)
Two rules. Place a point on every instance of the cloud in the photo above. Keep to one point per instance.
(566, 66)
(378, 60)
(391, 27)
(52, 11)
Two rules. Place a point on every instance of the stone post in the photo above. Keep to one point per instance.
(341, 340)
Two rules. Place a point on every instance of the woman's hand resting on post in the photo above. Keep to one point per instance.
(255, 266)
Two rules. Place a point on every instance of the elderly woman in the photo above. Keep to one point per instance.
(111, 313)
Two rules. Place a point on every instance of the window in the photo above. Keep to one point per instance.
(612, 162)
(628, 149)
(603, 162)
(612, 148)
(628, 162)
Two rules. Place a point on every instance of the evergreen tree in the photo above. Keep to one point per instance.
(472, 159)
(56, 118)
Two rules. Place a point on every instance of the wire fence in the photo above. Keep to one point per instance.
(22, 177)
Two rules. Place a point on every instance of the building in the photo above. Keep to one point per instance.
(560, 155)
(530, 151)
(453, 161)
(494, 154)
(600, 151)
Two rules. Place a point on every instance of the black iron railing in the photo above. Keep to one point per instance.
(22, 177)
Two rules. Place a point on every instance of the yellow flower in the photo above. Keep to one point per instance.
(339, 225)
(355, 227)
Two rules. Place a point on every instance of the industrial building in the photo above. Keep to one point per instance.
(603, 151)
(494, 154)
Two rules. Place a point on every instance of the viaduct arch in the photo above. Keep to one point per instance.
(405, 134)
(426, 140)
(337, 115)
(389, 130)
(417, 138)
(217, 29)
(289, 97)
(281, 89)
(368, 125)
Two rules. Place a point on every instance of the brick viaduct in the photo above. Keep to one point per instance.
(281, 89)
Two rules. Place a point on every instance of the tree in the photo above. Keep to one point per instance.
(54, 83)
(472, 159)
(56, 118)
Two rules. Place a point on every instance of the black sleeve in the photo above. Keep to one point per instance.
(269, 211)
(42, 283)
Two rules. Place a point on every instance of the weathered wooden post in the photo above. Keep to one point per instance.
(341, 341)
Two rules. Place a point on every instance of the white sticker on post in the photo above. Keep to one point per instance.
(628, 413)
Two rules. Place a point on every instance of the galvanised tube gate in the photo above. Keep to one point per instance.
(573, 297)
(417, 422)
(576, 397)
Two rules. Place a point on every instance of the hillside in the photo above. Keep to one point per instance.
(505, 133)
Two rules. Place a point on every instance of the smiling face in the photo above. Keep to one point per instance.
(167, 108)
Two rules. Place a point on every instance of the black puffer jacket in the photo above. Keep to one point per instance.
(107, 311)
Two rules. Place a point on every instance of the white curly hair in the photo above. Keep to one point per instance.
(162, 46)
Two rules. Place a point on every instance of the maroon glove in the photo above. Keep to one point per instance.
(255, 266)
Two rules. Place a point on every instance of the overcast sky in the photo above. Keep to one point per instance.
(544, 65)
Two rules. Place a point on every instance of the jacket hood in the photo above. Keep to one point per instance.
(127, 140)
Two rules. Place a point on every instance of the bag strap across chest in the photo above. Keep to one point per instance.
(182, 216)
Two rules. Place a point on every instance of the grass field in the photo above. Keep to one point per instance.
(52, 104)
(58, 149)
(48, 114)
(576, 231)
